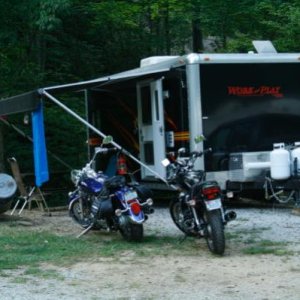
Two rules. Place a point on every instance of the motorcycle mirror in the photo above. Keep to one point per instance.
(97, 150)
(165, 162)
(199, 138)
(181, 150)
(107, 140)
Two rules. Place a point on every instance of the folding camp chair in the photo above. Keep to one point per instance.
(27, 195)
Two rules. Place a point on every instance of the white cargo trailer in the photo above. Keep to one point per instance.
(242, 103)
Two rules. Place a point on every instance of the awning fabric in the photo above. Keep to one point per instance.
(30, 101)
(120, 77)
(20, 103)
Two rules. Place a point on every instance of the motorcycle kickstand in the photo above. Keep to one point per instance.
(85, 231)
(183, 239)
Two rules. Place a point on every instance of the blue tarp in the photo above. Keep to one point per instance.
(39, 147)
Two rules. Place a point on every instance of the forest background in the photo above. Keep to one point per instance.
(49, 42)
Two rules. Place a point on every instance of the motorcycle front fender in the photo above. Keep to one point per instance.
(72, 198)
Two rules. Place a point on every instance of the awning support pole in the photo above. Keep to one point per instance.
(29, 138)
(76, 116)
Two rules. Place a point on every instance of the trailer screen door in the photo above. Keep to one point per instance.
(151, 126)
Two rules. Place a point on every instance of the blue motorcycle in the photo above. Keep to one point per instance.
(110, 203)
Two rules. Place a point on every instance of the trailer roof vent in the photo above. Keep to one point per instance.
(265, 47)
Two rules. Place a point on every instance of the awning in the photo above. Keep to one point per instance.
(120, 77)
(30, 101)
(21, 103)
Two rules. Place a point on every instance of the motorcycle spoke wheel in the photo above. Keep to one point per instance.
(82, 217)
(179, 216)
(214, 233)
(132, 232)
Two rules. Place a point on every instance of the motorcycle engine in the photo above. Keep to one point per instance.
(194, 176)
(102, 207)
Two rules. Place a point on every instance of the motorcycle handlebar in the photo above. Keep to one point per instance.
(107, 150)
(198, 154)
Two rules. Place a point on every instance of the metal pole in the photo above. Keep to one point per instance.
(29, 138)
(71, 112)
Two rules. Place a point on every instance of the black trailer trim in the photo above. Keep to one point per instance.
(20, 103)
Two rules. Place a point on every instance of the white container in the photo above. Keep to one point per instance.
(280, 162)
(295, 158)
(248, 166)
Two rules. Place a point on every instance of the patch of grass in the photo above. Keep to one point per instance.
(151, 246)
(20, 280)
(247, 236)
(30, 248)
(25, 248)
(46, 274)
(232, 235)
(3, 274)
(245, 233)
(267, 247)
(250, 242)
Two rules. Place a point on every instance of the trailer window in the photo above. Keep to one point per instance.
(156, 106)
(149, 153)
(146, 105)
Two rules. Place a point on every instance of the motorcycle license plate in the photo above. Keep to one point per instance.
(129, 195)
(213, 204)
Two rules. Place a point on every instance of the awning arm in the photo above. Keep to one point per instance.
(29, 138)
(76, 116)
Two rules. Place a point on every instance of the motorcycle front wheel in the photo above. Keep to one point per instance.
(182, 217)
(132, 232)
(214, 232)
(81, 215)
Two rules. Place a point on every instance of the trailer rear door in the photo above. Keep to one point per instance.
(151, 126)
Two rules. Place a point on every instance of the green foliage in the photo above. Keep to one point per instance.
(65, 136)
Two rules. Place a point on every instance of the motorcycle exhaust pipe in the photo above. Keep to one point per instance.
(230, 216)
(150, 210)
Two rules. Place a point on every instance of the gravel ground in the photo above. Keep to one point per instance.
(234, 276)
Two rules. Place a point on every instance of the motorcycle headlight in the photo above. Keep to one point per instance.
(75, 175)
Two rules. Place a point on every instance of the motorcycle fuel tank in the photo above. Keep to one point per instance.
(92, 185)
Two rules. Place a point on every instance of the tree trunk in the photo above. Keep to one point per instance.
(197, 36)
(166, 22)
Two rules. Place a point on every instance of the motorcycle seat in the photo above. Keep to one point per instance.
(115, 181)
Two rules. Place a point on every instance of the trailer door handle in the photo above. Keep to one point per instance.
(161, 130)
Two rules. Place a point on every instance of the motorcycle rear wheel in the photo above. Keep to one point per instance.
(179, 215)
(83, 218)
(132, 232)
(214, 232)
